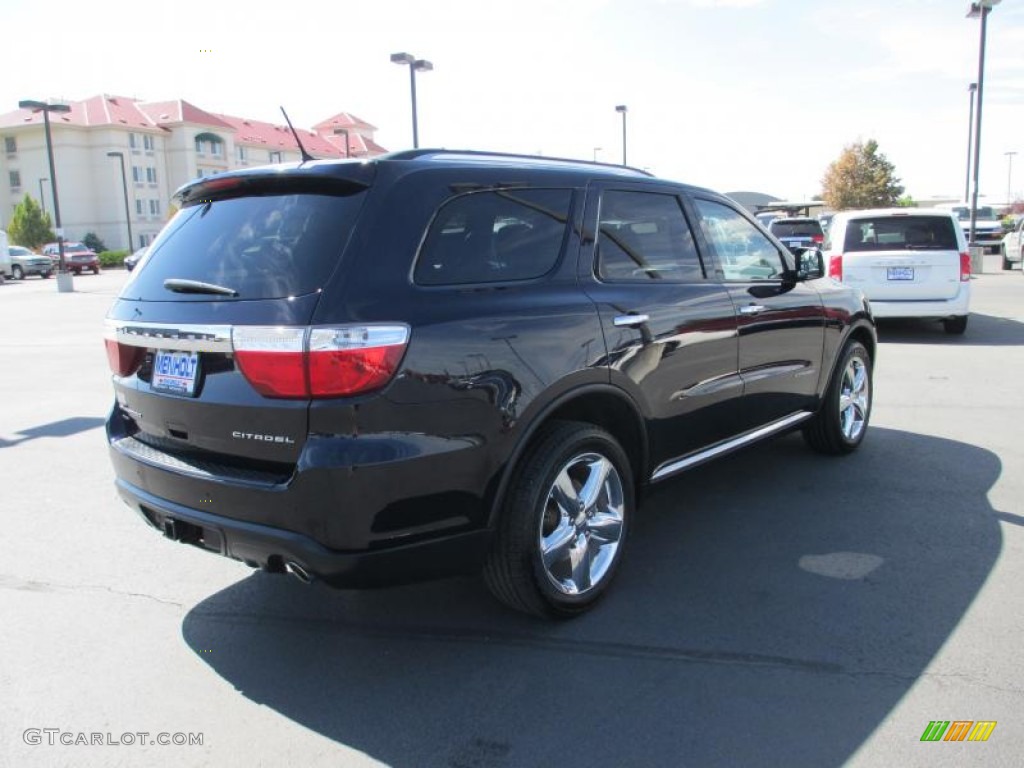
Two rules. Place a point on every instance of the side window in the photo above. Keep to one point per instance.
(644, 236)
(494, 236)
(743, 251)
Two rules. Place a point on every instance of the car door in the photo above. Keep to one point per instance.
(670, 331)
(781, 322)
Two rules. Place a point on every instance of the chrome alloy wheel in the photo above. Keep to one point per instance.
(582, 523)
(854, 398)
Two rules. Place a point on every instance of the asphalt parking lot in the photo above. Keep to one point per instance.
(774, 608)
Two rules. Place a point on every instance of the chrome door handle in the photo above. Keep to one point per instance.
(752, 309)
(628, 321)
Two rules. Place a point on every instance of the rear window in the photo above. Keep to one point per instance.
(494, 236)
(796, 228)
(885, 233)
(262, 247)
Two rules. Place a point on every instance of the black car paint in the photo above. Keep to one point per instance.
(419, 467)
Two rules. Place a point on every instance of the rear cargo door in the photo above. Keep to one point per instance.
(206, 339)
(903, 257)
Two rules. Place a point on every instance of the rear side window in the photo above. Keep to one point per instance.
(645, 236)
(262, 247)
(883, 233)
(494, 236)
(796, 228)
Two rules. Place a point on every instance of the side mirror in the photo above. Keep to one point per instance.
(810, 263)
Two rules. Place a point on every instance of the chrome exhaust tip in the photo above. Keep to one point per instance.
(298, 572)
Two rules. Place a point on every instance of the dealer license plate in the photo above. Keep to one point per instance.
(175, 372)
(900, 273)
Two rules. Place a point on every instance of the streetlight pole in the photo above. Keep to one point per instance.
(621, 108)
(64, 281)
(124, 186)
(1009, 177)
(981, 8)
(972, 88)
(42, 200)
(415, 65)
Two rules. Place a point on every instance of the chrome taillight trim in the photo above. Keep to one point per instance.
(184, 337)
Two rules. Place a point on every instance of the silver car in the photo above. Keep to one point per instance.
(24, 263)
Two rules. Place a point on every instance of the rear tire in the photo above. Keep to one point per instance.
(47, 275)
(564, 522)
(17, 272)
(1007, 264)
(842, 421)
(955, 326)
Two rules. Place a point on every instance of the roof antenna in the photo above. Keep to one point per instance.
(305, 155)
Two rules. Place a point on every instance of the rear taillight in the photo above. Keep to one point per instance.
(124, 359)
(965, 267)
(835, 266)
(319, 362)
(817, 239)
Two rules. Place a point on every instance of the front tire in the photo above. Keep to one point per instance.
(842, 421)
(17, 272)
(564, 522)
(1007, 264)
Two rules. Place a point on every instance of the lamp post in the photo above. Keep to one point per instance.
(972, 88)
(343, 131)
(415, 65)
(1009, 177)
(981, 9)
(124, 186)
(64, 281)
(621, 108)
(42, 200)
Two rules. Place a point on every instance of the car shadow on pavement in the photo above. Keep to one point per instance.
(776, 602)
(62, 428)
(982, 330)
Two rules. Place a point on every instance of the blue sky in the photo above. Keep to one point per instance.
(731, 94)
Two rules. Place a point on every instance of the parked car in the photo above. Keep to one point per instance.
(24, 263)
(798, 232)
(132, 259)
(308, 382)
(988, 228)
(6, 263)
(1012, 247)
(77, 257)
(909, 262)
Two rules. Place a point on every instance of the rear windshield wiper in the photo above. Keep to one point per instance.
(180, 285)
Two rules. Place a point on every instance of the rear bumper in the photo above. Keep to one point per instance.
(273, 548)
(957, 306)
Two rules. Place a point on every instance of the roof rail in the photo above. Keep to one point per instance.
(412, 154)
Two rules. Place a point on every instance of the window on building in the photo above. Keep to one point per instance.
(200, 149)
(10, 145)
(154, 207)
(144, 240)
(133, 141)
(138, 207)
(217, 148)
(136, 174)
(148, 142)
(151, 175)
(275, 157)
(15, 178)
(243, 156)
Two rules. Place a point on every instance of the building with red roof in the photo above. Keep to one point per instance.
(164, 144)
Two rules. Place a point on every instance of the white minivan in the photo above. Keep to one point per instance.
(6, 272)
(909, 262)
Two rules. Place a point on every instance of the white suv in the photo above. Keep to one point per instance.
(909, 262)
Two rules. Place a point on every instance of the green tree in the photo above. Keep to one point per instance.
(93, 242)
(861, 177)
(29, 226)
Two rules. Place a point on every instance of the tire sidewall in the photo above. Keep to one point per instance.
(593, 441)
(853, 349)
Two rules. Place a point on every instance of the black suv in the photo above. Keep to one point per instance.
(435, 362)
(798, 232)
